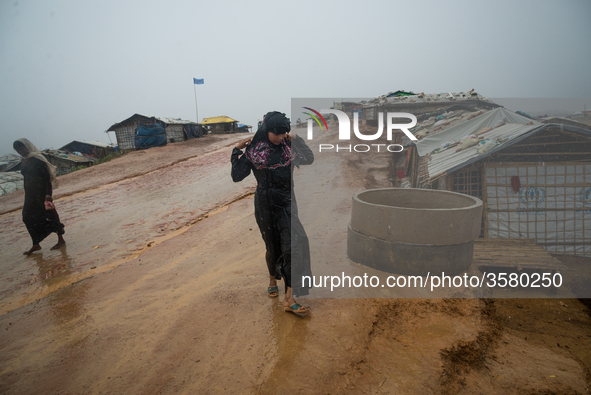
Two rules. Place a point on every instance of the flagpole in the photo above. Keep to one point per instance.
(196, 111)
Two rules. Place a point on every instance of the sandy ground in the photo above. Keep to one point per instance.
(162, 289)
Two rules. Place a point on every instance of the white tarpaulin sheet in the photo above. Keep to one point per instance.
(552, 206)
(10, 181)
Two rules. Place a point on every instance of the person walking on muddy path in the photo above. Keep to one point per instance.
(39, 214)
(271, 155)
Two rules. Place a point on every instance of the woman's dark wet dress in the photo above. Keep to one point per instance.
(276, 214)
(39, 222)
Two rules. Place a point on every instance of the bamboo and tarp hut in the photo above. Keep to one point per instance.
(534, 178)
(220, 125)
(175, 129)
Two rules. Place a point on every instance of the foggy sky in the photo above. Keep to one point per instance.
(71, 69)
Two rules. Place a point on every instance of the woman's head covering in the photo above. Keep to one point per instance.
(35, 153)
(261, 152)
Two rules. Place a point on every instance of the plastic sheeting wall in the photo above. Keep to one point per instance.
(552, 206)
(149, 136)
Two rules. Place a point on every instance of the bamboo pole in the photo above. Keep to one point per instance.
(196, 110)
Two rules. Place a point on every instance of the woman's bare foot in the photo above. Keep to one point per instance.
(273, 283)
(60, 243)
(36, 247)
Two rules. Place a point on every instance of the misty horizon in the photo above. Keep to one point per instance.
(70, 70)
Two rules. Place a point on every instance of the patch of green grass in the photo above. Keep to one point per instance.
(108, 158)
(78, 168)
(98, 162)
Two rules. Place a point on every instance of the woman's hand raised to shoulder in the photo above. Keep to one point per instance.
(243, 143)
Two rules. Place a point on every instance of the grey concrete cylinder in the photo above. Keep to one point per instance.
(413, 231)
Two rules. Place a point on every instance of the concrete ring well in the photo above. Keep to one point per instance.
(408, 259)
(417, 216)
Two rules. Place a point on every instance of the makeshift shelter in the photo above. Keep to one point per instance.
(90, 148)
(67, 162)
(348, 108)
(534, 178)
(421, 103)
(10, 162)
(242, 128)
(220, 125)
(175, 129)
(400, 93)
(434, 112)
(10, 181)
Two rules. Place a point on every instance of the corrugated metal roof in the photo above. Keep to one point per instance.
(565, 121)
(452, 134)
(169, 121)
(522, 136)
(501, 125)
(220, 119)
(173, 121)
(68, 157)
(432, 126)
(443, 161)
(95, 143)
(441, 146)
(445, 97)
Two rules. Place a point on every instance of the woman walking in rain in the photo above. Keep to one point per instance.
(39, 214)
(270, 156)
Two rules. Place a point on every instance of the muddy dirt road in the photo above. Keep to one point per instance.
(162, 289)
(110, 222)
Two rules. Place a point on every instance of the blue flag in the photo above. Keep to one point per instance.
(198, 82)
